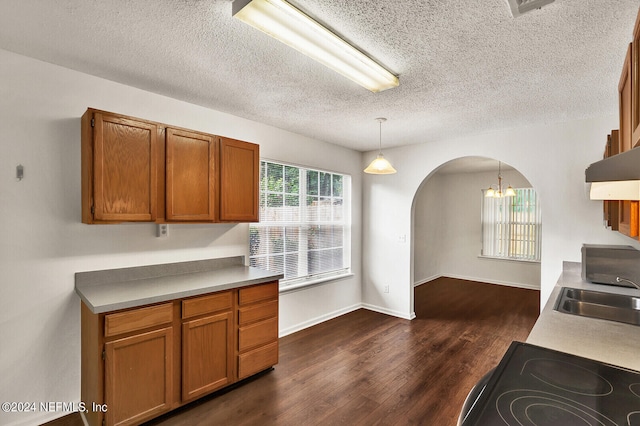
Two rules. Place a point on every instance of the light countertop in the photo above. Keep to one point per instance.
(110, 290)
(606, 341)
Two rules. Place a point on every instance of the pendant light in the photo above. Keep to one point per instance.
(497, 193)
(380, 166)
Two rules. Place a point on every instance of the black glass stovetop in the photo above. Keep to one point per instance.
(535, 386)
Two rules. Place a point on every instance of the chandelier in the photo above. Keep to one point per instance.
(497, 192)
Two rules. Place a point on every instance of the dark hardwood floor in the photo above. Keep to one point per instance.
(366, 368)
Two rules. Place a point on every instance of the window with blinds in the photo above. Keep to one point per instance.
(511, 226)
(304, 230)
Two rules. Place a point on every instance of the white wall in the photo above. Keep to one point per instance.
(448, 234)
(553, 158)
(43, 243)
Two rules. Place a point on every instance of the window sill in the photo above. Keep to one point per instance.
(301, 285)
(508, 259)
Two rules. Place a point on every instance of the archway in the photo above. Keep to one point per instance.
(447, 230)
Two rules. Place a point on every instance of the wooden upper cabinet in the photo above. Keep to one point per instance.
(628, 210)
(635, 83)
(137, 170)
(191, 182)
(119, 156)
(239, 177)
(612, 207)
(624, 98)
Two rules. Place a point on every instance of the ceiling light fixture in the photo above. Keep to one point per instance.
(497, 193)
(380, 166)
(518, 7)
(293, 27)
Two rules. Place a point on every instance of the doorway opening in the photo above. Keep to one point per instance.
(447, 227)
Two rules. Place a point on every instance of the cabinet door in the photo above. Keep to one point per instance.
(138, 377)
(624, 99)
(239, 177)
(635, 83)
(628, 222)
(612, 207)
(125, 169)
(628, 212)
(207, 354)
(190, 176)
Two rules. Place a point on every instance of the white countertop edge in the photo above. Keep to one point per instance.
(103, 298)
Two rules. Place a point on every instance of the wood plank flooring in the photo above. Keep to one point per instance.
(366, 368)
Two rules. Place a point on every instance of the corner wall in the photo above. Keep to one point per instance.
(43, 242)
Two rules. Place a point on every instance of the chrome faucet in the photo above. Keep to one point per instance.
(620, 280)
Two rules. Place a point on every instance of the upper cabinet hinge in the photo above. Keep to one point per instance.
(104, 355)
(93, 209)
(93, 122)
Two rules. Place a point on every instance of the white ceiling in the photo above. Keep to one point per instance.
(465, 67)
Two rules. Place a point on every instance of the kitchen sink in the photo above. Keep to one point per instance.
(596, 304)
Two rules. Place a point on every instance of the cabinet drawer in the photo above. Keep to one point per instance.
(207, 304)
(257, 293)
(258, 334)
(249, 314)
(257, 360)
(125, 322)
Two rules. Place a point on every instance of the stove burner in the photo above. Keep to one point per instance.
(567, 376)
(635, 389)
(535, 386)
(525, 407)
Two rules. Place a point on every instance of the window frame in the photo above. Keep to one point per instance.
(303, 223)
(533, 253)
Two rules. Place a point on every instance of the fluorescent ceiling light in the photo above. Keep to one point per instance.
(289, 25)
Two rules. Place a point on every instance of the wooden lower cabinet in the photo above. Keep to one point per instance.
(138, 377)
(257, 328)
(142, 362)
(207, 345)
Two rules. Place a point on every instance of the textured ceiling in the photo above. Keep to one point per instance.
(465, 67)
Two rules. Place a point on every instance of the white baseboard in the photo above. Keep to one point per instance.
(426, 280)
(335, 314)
(318, 320)
(481, 280)
(390, 312)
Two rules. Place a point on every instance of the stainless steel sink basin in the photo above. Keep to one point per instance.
(596, 304)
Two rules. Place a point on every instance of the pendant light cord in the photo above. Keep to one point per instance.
(380, 121)
(380, 137)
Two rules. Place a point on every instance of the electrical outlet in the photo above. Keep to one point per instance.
(386, 289)
(162, 230)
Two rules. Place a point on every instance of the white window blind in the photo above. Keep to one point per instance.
(304, 229)
(511, 226)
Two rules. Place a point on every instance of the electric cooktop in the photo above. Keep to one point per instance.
(535, 386)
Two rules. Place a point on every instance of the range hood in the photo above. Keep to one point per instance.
(616, 177)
